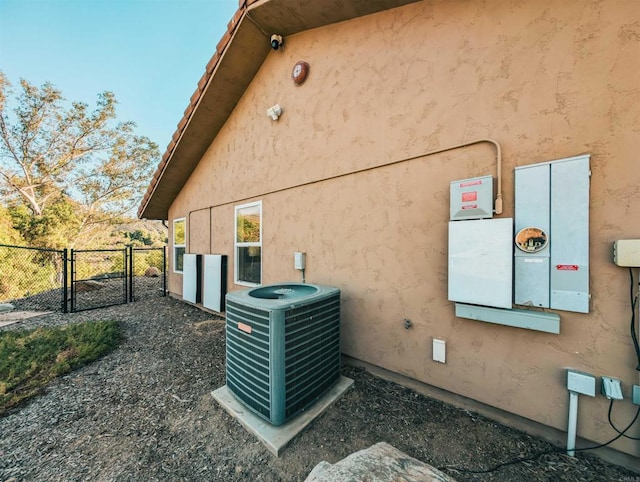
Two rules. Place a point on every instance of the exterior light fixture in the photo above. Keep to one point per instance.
(274, 112)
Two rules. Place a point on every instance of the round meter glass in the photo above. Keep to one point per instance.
(531, 240)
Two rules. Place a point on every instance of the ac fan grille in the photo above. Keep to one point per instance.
(248, 357)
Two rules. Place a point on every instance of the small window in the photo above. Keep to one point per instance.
(179, 244)
(248, 244)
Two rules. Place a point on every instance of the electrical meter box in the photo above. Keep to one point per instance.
(532, 221)
(471, 198)
(551, 244)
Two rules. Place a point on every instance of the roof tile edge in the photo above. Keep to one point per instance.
(193, 101)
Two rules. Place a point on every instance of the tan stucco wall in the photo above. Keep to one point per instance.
(546, 79)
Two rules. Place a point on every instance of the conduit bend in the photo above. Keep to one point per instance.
(498, 202)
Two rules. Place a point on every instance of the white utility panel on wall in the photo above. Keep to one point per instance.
(214, 281)
(481, 262)
(191, 272)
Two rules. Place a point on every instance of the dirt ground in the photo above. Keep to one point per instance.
(145, 412)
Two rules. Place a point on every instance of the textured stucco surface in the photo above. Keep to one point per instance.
(546, 79)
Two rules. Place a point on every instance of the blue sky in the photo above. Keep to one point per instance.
(150, 53)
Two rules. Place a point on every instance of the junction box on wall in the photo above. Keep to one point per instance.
(626, 252)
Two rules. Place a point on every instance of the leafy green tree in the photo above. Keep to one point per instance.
(64, 169)
(8, 234)
(53, 228)
(139, 238)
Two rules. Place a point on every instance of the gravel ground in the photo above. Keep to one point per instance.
(145, 412)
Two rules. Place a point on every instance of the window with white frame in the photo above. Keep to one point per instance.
(179, 243)
(248, 244)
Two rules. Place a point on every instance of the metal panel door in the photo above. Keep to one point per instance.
(570, 234)
(481, 262)
(532, 199)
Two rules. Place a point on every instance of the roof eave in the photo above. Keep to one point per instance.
(238, 57)
(228, 74)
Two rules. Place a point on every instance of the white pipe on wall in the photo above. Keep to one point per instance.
(573, 423)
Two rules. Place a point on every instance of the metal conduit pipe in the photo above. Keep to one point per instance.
(498, 200)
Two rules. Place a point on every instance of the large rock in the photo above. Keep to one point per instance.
(379, 463)
(88, 285)
(152, 272)
(5, 307)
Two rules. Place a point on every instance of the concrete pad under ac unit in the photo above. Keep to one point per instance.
(275, 438)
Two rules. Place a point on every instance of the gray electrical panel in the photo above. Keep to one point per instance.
(552, 235)
(570, 229)
(533, 211)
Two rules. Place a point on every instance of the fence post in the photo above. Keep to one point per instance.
(72, 284)
(65, 280)
(164, 270)
(130, 248)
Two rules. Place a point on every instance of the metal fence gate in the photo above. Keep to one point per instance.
(80, 279)
(107, 277)
(98, 278)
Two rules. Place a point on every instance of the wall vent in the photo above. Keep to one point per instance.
(283, 347)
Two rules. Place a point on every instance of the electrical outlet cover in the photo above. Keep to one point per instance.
(439, 350)
(611, 388)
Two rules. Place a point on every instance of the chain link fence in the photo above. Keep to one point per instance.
(33, 278)
(75, 280)
(148, 269)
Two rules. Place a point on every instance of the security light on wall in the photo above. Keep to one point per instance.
(274, 112)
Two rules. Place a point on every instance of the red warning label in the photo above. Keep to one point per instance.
(471, 183)
(567, 267)
(469, 196)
